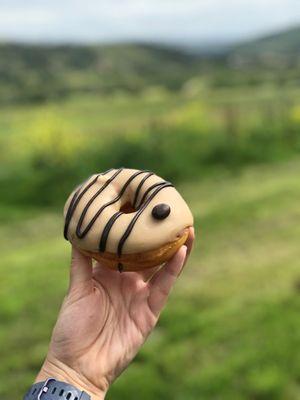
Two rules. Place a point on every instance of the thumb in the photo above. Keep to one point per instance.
(81, 271)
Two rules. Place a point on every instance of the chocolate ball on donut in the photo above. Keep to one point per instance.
(127, 219)
(161, 211)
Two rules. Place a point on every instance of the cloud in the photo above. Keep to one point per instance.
(96, 20)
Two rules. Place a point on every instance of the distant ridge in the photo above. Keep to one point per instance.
(281, 47)
(38, 72)
(42, 72)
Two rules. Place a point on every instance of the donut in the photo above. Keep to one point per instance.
(127, 219)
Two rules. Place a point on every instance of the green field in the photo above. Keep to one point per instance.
(192, 133)
(225, 129)
(231, 328)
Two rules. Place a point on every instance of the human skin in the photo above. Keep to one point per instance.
(104, 320)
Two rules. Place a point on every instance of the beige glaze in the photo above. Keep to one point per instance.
(148, 233)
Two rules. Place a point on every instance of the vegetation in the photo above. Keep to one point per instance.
(190, 134)
(35, 73)
(279, 47)
(226, 131)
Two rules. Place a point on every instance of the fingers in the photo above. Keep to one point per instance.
(81, 269)
(148, 273)
(162, 282)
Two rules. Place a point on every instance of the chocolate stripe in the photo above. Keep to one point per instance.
(138, 214)
(149, 190)
(74, 202)
(91, 223)
(79, 234)
(140, 187)
(106, 230)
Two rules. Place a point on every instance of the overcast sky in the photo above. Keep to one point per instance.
(154, 20)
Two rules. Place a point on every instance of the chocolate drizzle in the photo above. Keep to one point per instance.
(137, 215)
(143, 203)
(158, 184)
(74, 202)
(106, 230)
(138, 189)
(77, 197)
(79, 234)
(120, 267)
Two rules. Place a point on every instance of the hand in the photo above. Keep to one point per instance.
(104, 320)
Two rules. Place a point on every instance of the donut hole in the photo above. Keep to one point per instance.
(127, 208)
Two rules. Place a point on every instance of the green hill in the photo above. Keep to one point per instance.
(41, 72)
(281, 49)
(29, 72)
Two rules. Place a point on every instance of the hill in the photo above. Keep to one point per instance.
(280, 49)
(31, 72)
(36, 73)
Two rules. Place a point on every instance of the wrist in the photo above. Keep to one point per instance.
(63, 373)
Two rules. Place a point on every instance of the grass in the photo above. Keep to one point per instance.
(206, 130)
(231, 328)
(119, 113)
(89, 114)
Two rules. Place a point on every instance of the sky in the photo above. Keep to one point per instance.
(174, 21)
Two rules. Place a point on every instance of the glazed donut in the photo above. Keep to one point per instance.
(127, 219)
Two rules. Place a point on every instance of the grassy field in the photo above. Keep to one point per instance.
(195, 104)
(231, 328)
(205, 129)
(228, 136)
